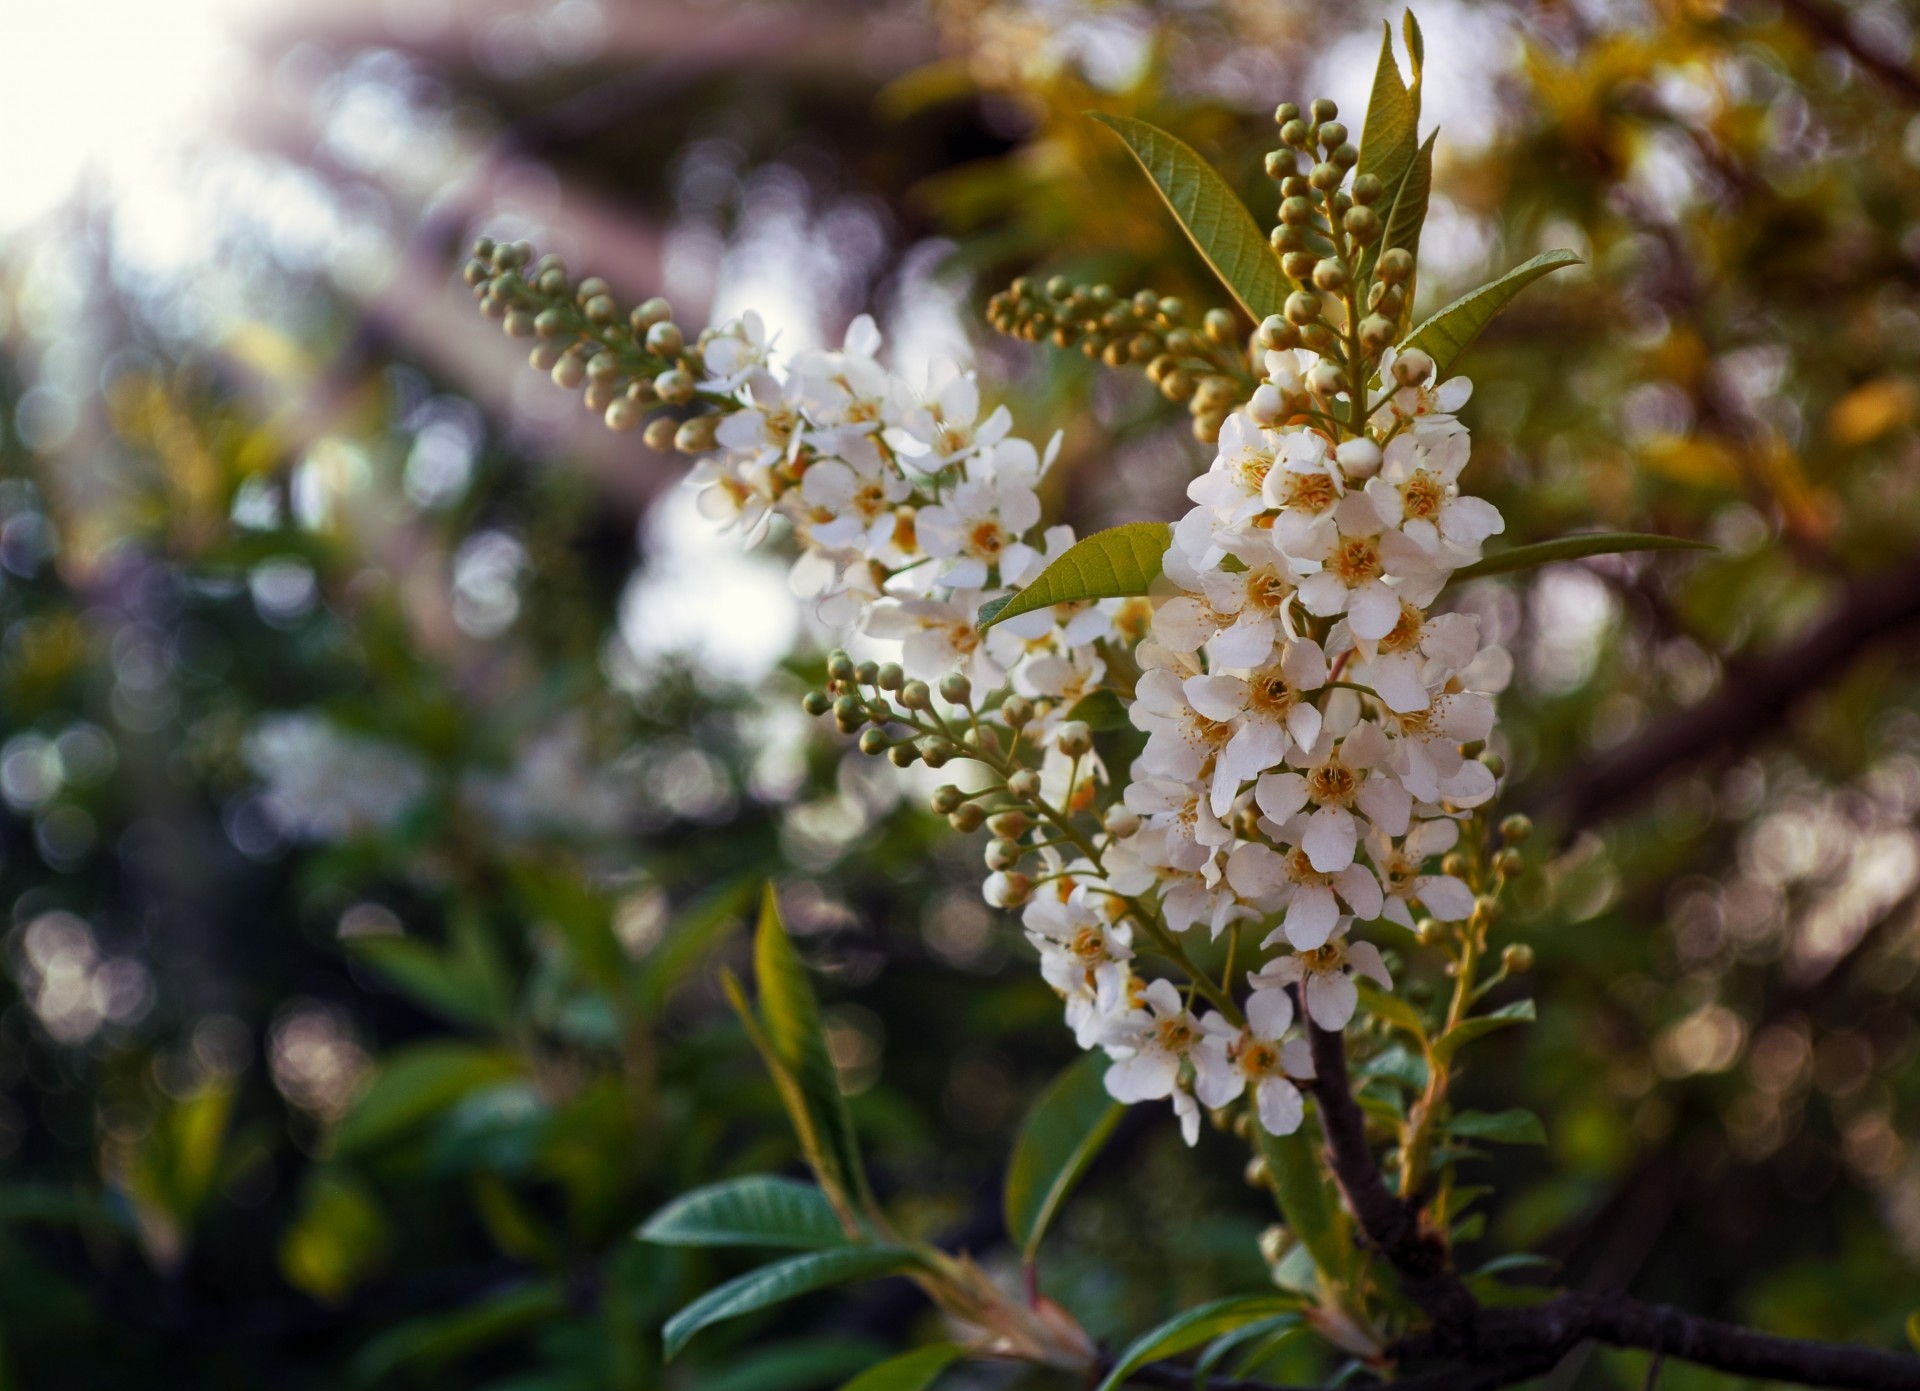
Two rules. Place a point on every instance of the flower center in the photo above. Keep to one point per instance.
(1332, 783)
(1356, 561)
(1312, 492)
(987, 539)
(870, 500)
(1250, 470)
(1260, 1057)
(1422, 496)
(1268, 589)
(1134, 620)
(1331, 957)
(905, 538)
(1089, 944)
(1271, 696)
(1406, 633)
(1302, 870)
(1175, 1035)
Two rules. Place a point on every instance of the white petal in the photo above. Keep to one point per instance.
(1143, 1077)
(1280, 795)
(1269, 1012)
(1311, 917)
(1364, 958)
(1279, 1104)
(1387, 804)
(1445, 897)
(1331, 1000)
(1216, 697)
(1329, 839)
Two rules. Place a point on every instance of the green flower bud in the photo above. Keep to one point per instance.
(1010, 824)
(1074, 739)
(935, 751)
(623, 415)
(1219, 325)
(866, 674)
(1376, 333)
(1295, 186)
(1510, 863)
(874, 742)
(569, 372)
(603, 365)
(592, 288)
(1323, 110)
(1517, 959)
(839, 665)
(1016, 711)
(946, 799)
(916, 695)
(966, 818)
(1284, 112)
(1024, 785)
(1344, 157)
(1332, 133)
(1276, 333)
(675, 386)
(696, 436)
(1299, 266)
(1429, 932)
(1362, 224)
(1396, 264)
(665, 340)
(1295, 133)
(1455, 865)
(519, 323)
(1516, 829)
(474, 273)
(1172, 310)
(602, 310)
(544, 356)
(1279, 163)
(903, 755)
(1331, 276)
(889, 677)
(1297, 212)
(645, 316)
(816, 703)
(849, 713)
(955, 689)
(1208, 424)
(1367, 189)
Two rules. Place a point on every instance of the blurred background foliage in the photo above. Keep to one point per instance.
(390, 757)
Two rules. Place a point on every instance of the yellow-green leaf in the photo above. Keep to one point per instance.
(1450, 331)
(1301, 1190)
(910, 1371)
(1216, 219)
(1386, 147)
(1116, 563)
(1575, 548)
(1467, 1030)
(1063, 1134)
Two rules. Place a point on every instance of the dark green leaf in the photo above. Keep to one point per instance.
(433, 1340)
(1450, 331)
(1301, 1190)
(758, 1211)
(781, 1281)
(910, 1371)
(1515, 1127)
(417, 1083)
(1575, 548)
(1393, 1009)
(792, 1365)
(1194, 1327)
(1239, 1337)
(422, 972)
(1062, 1135)
(1116, 563)
(1101, 711)
(1216, 220)
(1519, 1012)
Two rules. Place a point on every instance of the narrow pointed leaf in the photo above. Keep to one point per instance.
(1301, 1191)
(1467, 1030)
(1575, 548)
(1515, 1127)
(1387, 146)
(790, 1016)
(1218, 1349)
(1194, 1327)
(1406, 206)
(1119, 562)
(781, 1281)
(1212, 215)
(1451, 331)
(1416, 52)
(757, 1211)
(1062, 1136)
(910, 1371)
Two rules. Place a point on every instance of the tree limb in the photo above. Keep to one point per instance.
(1756, 695)
(1499, 1347)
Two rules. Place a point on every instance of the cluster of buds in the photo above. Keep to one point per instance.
(628, 367)
(1203, 367)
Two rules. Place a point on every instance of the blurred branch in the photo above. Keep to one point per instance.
(1756, 696)
(1500, 1347)
(1828, 24)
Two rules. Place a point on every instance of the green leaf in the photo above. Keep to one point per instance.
(1301, 1190)
(1216, 220)
(1467, 1030)
(433, 1340)
(793, 1365)
(1387, 146)
(1416, 50)
(790, 1019)
(781, 1281)
(1218, 1349)
(1120, 562)
(757, 1211)
(425, 975)
(1515, 1127)
(415, 1084)
(910, 1371)
(1409, 211)
(1393, 1009)
(1063, 1133)
(1576, 548)
(1101, 711)
(1194, 1327)
(1450, 331)
(1913, 1329)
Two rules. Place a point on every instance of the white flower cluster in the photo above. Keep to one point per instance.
(1304, 713)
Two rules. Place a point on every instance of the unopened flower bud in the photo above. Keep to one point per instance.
(645, 316)
(1296, 212)
(1326, 176)
(1454, 865)
(1323, 110)
(1376, 334)
(660, 432)
(874, 742)
(1326, 379)
(866, 674)
(665, 340)
(1279, 163)
(1358, 458)
(1486, 909)
(569, 372)
(890, 677)
(1122, 821)
(1016, 710)
(849, 714)
(935, 751)
(903, 755)
(1275, 1242)
(946, 799)
(1344, 156)
(916, 695)
(1516, 829)
(601, 309)
(1075, 739)
(544, 356)
(1276, 333)
(1286, 111)
(1509, 863)
(1331, 275)
(1517, 958)
(623, 415)
(1218, 325)
(1295, 133)
(1003, 854)
(1299, 266)
(1266, 407)
(1257, 1172)
(675, 386)
(1429, 932)
(1495, 763)
(1367, 189)
(1303, 307)
(1010, 824)
(966, 818)
(955, 689)
(1009, 889)
(519, 323)
(1412, 367)
(1024, 785)
(1395, 265)
(840, 665)
(816, 703)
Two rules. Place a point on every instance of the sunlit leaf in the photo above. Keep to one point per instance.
(1449, 332)
(1216, 219)
(1515, 1127)
(790, 1016)
(1192, 1328)
(1387, 146)
(781, 1281)
(1120, 562)
(1063, 1134)
(1575, 548)
(910, 1371)
(757, 1211)
(1467, 1030)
